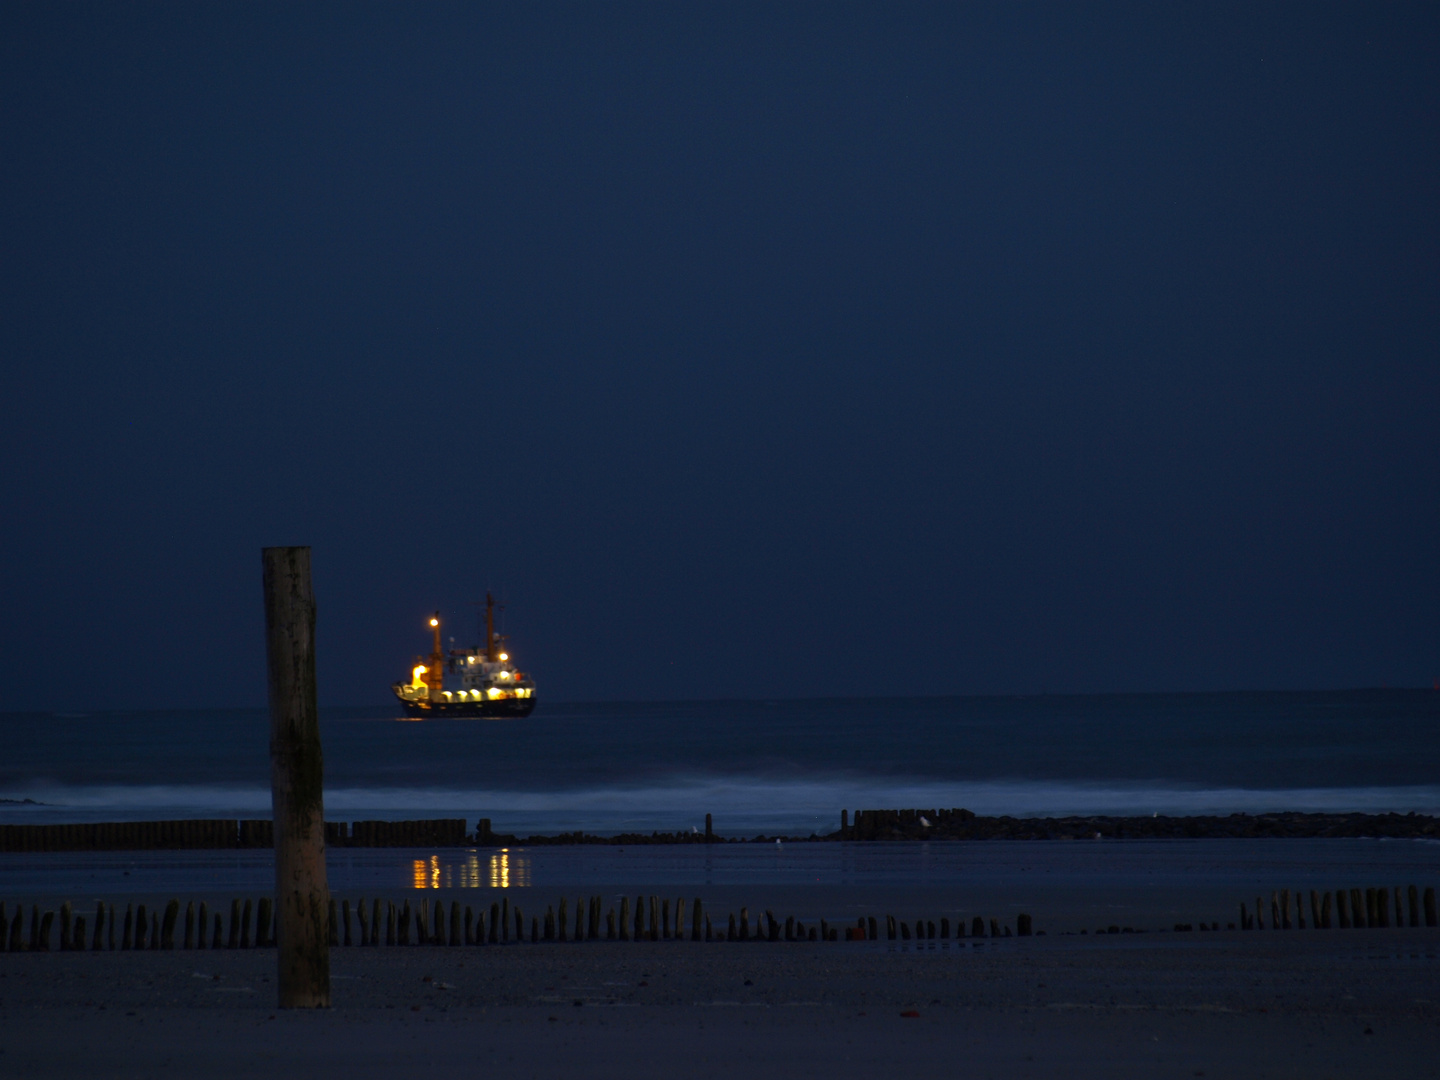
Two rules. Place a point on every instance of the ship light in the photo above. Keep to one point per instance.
(504, 656)
(417, 679)
(495, 693)
(434, 622)
(447, 695)
(504, 674)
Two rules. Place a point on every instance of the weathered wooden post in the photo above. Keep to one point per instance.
(297, 778)
(167, 928)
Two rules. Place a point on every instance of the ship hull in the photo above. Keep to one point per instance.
(504, 709)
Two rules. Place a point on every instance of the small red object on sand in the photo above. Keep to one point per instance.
(911, 1014)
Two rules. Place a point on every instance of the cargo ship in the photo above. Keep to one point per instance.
(478, 682)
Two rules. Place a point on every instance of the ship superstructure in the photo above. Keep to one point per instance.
(467, 682)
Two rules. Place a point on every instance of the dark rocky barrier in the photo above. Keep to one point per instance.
(868, 825)
(961, 824)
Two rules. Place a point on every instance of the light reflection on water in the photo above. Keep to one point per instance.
(1232, 867)
(502, 870)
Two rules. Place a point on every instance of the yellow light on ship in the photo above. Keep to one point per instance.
(504, 656)
(434, 622)
(504, 674)
(417, 679)
(495, 693)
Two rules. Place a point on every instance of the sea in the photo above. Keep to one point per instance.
(784, 767)
(764, 767)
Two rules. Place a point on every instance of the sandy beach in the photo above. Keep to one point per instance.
(1314, 1004)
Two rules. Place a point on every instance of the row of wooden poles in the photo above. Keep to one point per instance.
(208, 834)
(379, 922)
(1355, 909)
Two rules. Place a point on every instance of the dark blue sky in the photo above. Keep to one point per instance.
(747, 350)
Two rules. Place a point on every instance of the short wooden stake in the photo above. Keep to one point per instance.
(167, 928)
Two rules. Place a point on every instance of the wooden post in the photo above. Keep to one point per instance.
(709, 830)
(297, 777)
(695, 917)
(167, 928)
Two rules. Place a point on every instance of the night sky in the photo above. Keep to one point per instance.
(765, 350)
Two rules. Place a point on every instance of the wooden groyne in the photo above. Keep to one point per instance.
(865, 826)
(213, 834)
(418, 920)
(960, 824)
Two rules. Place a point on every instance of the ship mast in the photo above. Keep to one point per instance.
(492, 647)
(435, 677)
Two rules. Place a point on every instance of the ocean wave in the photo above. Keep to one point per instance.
(684, 801)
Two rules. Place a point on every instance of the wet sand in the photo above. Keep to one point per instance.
(1312, 1004)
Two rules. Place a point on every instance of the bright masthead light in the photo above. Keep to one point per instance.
(434, 622)
(504, 656)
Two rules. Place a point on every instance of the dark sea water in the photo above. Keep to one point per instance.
(757, 766)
